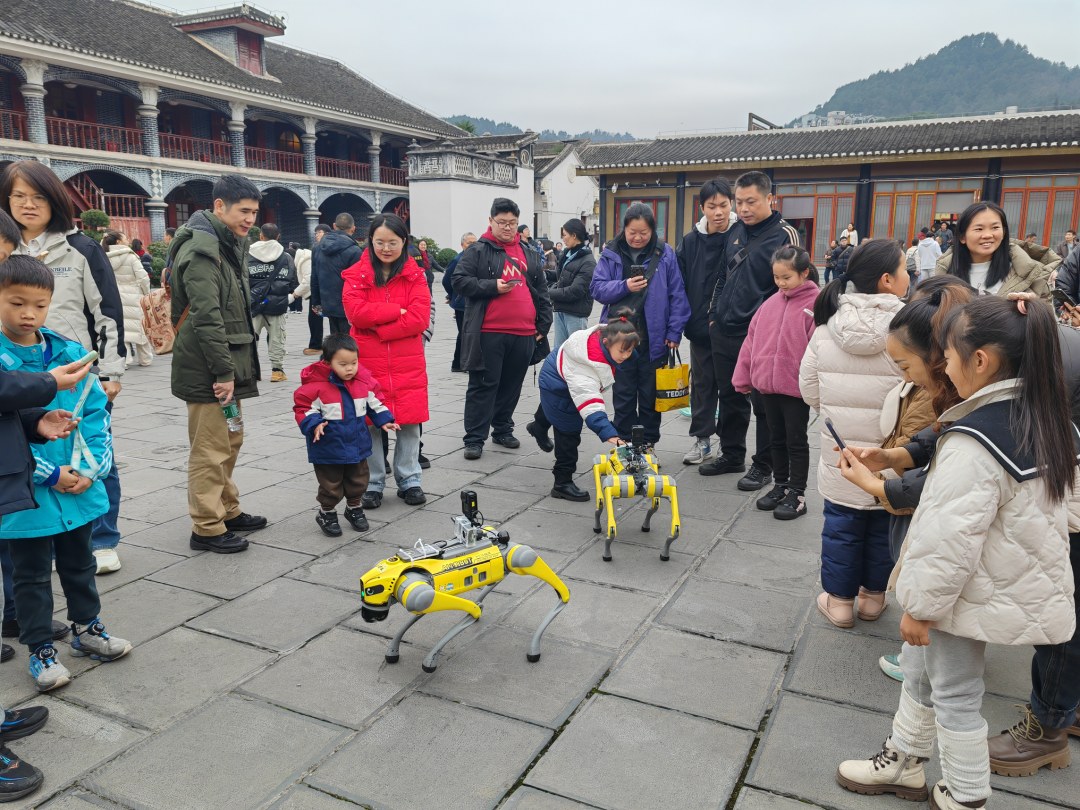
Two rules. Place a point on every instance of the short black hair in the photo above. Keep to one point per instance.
(759, 180)
(714, 187)
(232, 188)
(914, 241)
(1071, 231)
(9, 230)
(925, 230)
(336, 343)
(170, 231)
(322, 226)
(504, 205)
(344, 221)
(270, 231)
(26, 271)
(1032, 235)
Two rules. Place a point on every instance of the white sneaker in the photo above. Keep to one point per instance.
(888, 771)
(107, 560)
(701, 451)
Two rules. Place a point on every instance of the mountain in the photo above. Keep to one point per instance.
(974, 74)
(506, 128)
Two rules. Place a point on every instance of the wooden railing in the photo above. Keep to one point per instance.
(342, 169)
(180, 147)
(13, 125)
(273, 160)
(393, 177)
(62, 132)
(115, 205)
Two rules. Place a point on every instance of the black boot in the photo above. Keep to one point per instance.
(542, 439)
(328, 522)
(355, 516)
(569, 491)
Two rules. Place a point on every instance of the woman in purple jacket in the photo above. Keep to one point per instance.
(638, 271)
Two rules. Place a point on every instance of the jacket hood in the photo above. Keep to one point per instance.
(206, 234)
(703, 223)
(861, 324)
(335, 242)
(118, 250)
(316, 372)
(266, 251)
(366, 278)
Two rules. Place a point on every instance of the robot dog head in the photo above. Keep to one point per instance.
(377, 589)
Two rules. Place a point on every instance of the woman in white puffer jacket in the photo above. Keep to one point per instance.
(845, 376)
(134, 283)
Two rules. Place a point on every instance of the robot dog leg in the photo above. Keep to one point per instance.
(661, 486)
(524, 561)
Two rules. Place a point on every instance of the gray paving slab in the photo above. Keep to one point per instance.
(841, 666)
(302, 534)
(229, 575)
(695, 535)
(886, 626)
(550, 530)
(157, 507)
(488, 462)
(532, 480)
(802, 533)
(440, 480)
(717, 507)
(294, 460)
(270, 504)
(422, 523)
(189, 667)
(303, 797)
(144, 609)
(778, 569)
(280, 615)
(262, 749)
(625, 755)
(496, 504)
(596, 614)
(347, 694)
(136, 562)
(146, 479)
(78, 800)
(1008, 671)
(516, 585)
(172, 536)
(476, 757)
(343, 568)
(737, 613)
(632, 566)
(715, 679)
(750, 799)
(492, 673)
(527, 798)
(252, 479)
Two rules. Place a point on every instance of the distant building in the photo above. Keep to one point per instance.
(836, 118)
(561, 193)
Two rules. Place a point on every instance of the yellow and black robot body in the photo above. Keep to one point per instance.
(431, 577)
(628, 471)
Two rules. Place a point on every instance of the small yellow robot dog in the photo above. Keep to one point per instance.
(627, 471)
(427, 577)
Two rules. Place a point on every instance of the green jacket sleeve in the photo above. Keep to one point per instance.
(202, 282)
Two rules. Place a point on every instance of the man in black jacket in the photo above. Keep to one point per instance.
(700, 254)
(272, 276)
(744, 282)
(507, 317)
(335, 252)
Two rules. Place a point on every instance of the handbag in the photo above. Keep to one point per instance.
(157, 318)
(672, 383)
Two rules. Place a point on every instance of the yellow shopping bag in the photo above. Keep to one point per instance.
(673, 384)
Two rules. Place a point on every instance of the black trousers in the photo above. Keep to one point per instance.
(703, 392)
(75, 565)
(735, 407)
(634, 396)
(459, 320)
(566, 448)
(493, 393)
(315, 327)
(338, 325)
(788, 418)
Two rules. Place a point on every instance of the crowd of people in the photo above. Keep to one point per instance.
(943, 383)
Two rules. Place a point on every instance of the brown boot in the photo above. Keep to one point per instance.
(836, 610)
(1074, 729)
(1027, 746)
(871, 604)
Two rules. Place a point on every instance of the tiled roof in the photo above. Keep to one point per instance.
(235, 12)
(130, 32)
(492, 143)
(858, 140)
(546, 158)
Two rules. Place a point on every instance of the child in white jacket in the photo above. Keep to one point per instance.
(986, 559)
(845, 376)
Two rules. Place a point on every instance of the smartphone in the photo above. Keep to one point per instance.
(835, 435)
(514, 282)
(637, 270)
(90, 358)
(1062, 297)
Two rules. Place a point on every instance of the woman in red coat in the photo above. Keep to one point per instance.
(388, 304)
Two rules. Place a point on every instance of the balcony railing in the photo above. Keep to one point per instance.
(342, 169)
(180, 147)
(93, 136)
(392, 177)
(13, 125)
(273, 160)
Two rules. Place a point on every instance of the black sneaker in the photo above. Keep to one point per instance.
(227, 543)
(793, 506)
(570, 492)
(413, 496)
(543, 441)
(755, 479)
(721, 465)
(766, 503)
(355, 516)
(17, 778)
(11, 629)
(328, 523)
(22, 722)
(7, 652)
(509, 440)
(473, 451)
(425, 462)
(245, 523)
(371, 500)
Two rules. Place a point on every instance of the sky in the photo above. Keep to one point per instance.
(647, 66)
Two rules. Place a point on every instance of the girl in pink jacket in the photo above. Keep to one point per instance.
(769, 363)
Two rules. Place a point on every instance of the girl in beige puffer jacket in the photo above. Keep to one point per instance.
(133, 283)
(845, 376)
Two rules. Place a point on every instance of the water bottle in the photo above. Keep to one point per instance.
(232, 416)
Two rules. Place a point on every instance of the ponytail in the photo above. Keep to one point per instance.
(797, 259)
(1024, 334)
(110, 238)
(868, 263)
(620, 328)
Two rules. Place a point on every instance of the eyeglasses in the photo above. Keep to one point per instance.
(505, 225)
(386, 245)
(35, 200)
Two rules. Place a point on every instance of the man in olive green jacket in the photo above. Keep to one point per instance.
(215, 356)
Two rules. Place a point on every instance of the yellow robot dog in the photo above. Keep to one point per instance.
(427, 578)
(627, 471)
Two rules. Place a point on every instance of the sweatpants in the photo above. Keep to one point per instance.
(854, 550)
(1055, 669)
(566, 447)
(459, 321)
(703, 392)
(315, 329)
(493, 393)
(634, 396)
(212, 496)
(32, 558)
(275, 330)
(337, 481)
(735, 407)
(788, 418)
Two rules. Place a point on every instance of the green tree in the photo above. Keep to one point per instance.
(93, 219)
(467, 125)
(159, 250)
(445, 255)
(254, 233)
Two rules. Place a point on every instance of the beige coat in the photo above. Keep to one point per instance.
(134, 283)
(986, 557)
(302, 260)
(1030, 269)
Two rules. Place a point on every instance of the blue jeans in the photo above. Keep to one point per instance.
(854, 550)
(1055, 669)
(105, 534)
(406, 464)
(565, 325)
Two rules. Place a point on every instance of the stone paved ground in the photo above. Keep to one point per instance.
(703, 682)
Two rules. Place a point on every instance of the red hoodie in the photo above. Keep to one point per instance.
(513, 312)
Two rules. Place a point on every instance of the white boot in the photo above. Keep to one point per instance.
(888, 771)
(965, 763)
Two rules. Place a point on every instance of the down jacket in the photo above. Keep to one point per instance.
(845, 376)
(1029, 271)
(776, 342)
(572, 279)
(390, 342)
(573, 381)
(133, 283)
(302, 260)
(987, 557)
(335, 252)
(272, 278)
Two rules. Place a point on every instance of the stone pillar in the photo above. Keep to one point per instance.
(148, 115)
(33, 91)
(308, 140)
(311, 216)
(156, 208)
(236, 134)
(373, 152)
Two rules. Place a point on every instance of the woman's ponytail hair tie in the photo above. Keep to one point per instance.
(623, 320)
(1021, 300)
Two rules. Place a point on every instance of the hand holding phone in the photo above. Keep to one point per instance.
(637, 271)
(835, 435)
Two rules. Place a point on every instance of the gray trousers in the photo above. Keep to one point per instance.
(947, 675)
(275, 328)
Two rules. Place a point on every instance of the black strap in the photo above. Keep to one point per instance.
(673, 358)
(753, 245)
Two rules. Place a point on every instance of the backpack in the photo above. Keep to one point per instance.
(157, 318)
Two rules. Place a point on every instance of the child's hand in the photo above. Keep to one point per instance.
(854, 470)
(915, 632)
(615, 440)
(873, 458)
(81, 485)
(67, 479)
(56, 425)
(389, 426)
(318, 432)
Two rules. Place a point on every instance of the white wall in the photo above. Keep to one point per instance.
(446, 209)
(567, 196)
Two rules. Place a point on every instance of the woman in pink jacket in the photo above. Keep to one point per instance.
(769, 363)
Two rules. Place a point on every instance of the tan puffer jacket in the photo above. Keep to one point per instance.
(134, 283)
(986, 557)
(845, 376)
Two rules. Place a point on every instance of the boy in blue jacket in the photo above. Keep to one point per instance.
(68, 499)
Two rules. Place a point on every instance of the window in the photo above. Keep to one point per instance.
(825, 204)
(1064, 203)
(183, 213)
(288, 142)
(844, 206)
(659, 207)
(822, 226)
(62, 102)
(883, 215)
(249, 50)
(1045, 206)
